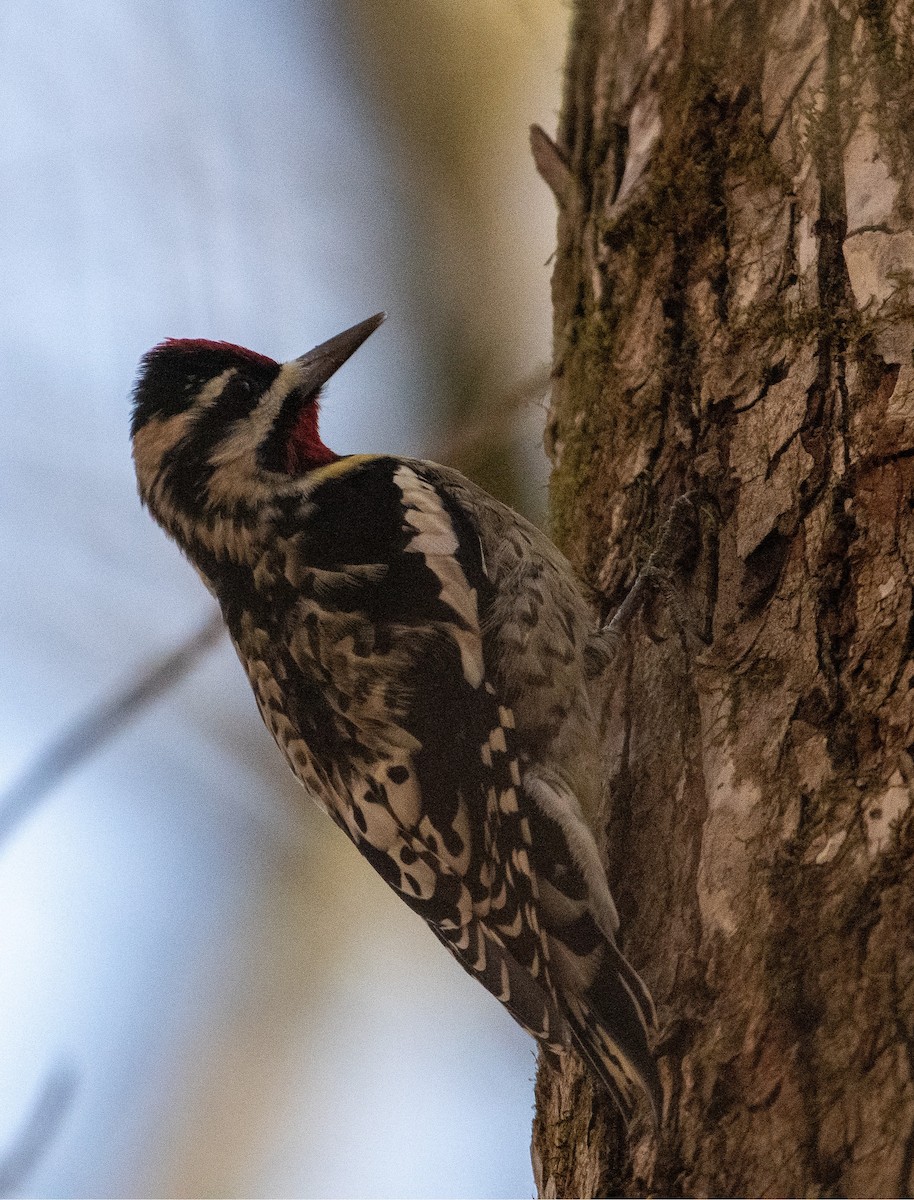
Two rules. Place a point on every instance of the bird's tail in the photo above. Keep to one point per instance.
(609, 1024)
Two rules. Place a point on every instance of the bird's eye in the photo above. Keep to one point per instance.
(238, 397)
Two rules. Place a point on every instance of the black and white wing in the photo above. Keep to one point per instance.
(379, 688)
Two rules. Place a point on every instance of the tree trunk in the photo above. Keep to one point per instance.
(734, 313)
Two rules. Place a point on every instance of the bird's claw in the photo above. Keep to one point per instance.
(689, 536)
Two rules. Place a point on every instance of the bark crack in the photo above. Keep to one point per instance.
(905, 1039)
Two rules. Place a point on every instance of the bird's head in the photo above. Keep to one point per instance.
(218, 429)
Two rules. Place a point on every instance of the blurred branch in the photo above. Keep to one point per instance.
(98, 726)
(52, 1105)
(496, 423)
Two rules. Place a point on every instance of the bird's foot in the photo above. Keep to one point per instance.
(684, 562)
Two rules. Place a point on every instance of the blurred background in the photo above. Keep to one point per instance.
(203, 989)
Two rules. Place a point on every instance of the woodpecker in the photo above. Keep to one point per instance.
(420, 653)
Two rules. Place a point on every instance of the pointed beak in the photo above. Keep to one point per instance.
(325, 360)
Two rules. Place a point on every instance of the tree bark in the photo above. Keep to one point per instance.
(734, 313)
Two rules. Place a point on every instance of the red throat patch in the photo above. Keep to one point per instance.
(304, 449)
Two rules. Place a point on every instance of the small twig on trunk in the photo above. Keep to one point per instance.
(552, 165)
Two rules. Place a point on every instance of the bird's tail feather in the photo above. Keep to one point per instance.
(609, 1023)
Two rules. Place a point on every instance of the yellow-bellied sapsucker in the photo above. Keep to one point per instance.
(419, 653)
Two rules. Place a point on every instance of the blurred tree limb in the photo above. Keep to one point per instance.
(493, 426)
(100, 724)
(54, 1101)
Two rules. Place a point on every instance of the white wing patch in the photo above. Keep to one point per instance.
(435, 539)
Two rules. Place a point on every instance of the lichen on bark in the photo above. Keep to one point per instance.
(733, 312)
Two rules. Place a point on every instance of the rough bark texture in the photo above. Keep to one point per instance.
(734, 312)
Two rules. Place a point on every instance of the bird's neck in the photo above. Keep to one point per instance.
(304, 449)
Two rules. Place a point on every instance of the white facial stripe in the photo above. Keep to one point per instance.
(159, 435)
(210, 393)
(249, 433)
(153, 441)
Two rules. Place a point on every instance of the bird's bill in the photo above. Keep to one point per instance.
(325, 360)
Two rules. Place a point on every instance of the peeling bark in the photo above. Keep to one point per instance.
(734, 313)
